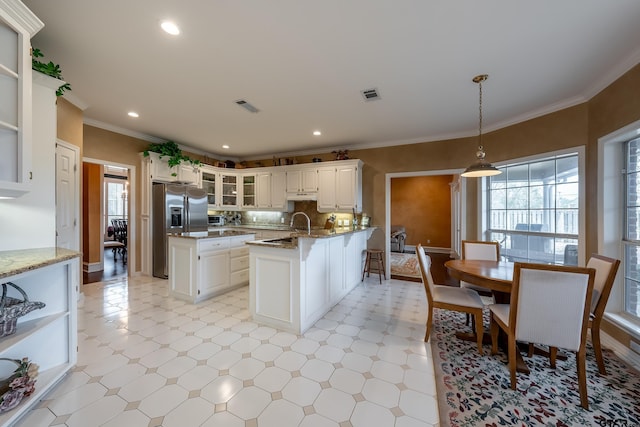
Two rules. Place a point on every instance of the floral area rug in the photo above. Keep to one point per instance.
(404, 265)
(474, 390)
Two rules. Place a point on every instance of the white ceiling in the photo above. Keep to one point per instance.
(304, 63)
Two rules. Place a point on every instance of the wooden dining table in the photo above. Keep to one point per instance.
(496, 276)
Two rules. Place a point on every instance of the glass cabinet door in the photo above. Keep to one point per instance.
(229, 190)
(209, 185)
(249, 191)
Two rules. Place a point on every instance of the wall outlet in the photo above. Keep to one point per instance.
(339, 223)
(281, 220)
(254, 219)
(428, 240)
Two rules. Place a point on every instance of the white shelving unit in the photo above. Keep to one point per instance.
(48, 336)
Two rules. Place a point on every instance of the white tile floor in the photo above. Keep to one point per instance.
(147, 359)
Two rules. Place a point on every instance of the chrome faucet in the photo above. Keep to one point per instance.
(306, 216)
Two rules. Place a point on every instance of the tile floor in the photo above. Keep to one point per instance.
(147, 359)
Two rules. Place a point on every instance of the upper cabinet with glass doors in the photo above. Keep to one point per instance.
(17, 25)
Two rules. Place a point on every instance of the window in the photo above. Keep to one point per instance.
(115, 192)
(631, 237)
(533, 210)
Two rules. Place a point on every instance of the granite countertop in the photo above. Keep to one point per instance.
(315, 234)
(16, 262)
(211, 234)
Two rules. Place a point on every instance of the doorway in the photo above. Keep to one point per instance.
(427, 206)
(108, 226)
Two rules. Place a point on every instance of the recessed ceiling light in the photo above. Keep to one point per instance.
(317, 133)
(133, 114)
(170, 28)
(225, 146)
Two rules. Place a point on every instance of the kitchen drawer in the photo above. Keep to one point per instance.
(239, 277)
(240, 263)
(238, 252)
(213, 244)
(238, 241)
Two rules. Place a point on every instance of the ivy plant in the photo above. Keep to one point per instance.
(50, 69)
(171, 150)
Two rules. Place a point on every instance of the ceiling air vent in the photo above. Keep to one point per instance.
(244, 104)
(370, 94)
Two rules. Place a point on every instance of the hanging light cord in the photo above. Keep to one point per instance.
(480, 118)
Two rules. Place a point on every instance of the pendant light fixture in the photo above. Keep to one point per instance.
(481, 167)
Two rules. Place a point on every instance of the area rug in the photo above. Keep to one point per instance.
(474, 390)
(403, 264)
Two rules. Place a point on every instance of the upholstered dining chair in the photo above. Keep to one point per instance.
(449, 298)
(478, 250)
(550, 305)
(606, 269)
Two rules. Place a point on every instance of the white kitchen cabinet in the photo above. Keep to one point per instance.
(340, 187)
(185, 172)
(291, 288)
(302, 179)
(17, 25)
(159, 168)
(210, 179)
(48, 336)
(271, 190)
(279, 192)
(229, 191)
(239, 260)
(263, 190)
(248, 190)
(214, 272)
(190, 173)
(200, 268)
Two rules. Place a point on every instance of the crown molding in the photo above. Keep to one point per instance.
(123, 131)
(614, 74)
(75, 101)
(22, 16)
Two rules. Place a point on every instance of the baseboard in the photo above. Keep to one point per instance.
(92, 267)
(623, 352)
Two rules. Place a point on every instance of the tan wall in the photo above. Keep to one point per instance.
(613, 108)
(69, 123)
(422, 204)
(112, 147)
(91, 212)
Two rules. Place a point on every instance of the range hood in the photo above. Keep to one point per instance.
(302, 196)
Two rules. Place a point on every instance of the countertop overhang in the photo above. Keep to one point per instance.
(15, 262)
(211, 234)
(315, 234)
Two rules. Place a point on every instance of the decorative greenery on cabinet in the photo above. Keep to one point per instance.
(171, 150)
(50, 69)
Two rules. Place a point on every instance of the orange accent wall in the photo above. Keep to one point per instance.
(423, 205)
(92, 200)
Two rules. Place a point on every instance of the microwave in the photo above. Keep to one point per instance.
(217, 220)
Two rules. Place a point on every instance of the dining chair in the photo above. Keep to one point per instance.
(606, 270)
(550, 305)
(482, 251)
(449, 298)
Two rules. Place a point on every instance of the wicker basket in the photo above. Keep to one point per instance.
(12, 308)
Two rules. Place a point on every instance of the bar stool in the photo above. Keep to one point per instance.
(376, 255)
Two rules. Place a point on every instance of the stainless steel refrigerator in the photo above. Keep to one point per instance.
(176, 208)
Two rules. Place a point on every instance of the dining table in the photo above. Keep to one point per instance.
(497, 276)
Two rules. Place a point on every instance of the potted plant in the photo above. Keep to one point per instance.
(171, 150)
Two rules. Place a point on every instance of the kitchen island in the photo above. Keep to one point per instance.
(204, 264)
(295, 281)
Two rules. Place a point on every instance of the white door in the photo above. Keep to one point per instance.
(67, 228)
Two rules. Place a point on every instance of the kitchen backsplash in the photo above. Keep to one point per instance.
(279, 218)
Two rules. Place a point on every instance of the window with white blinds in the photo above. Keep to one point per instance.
(631, 237)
